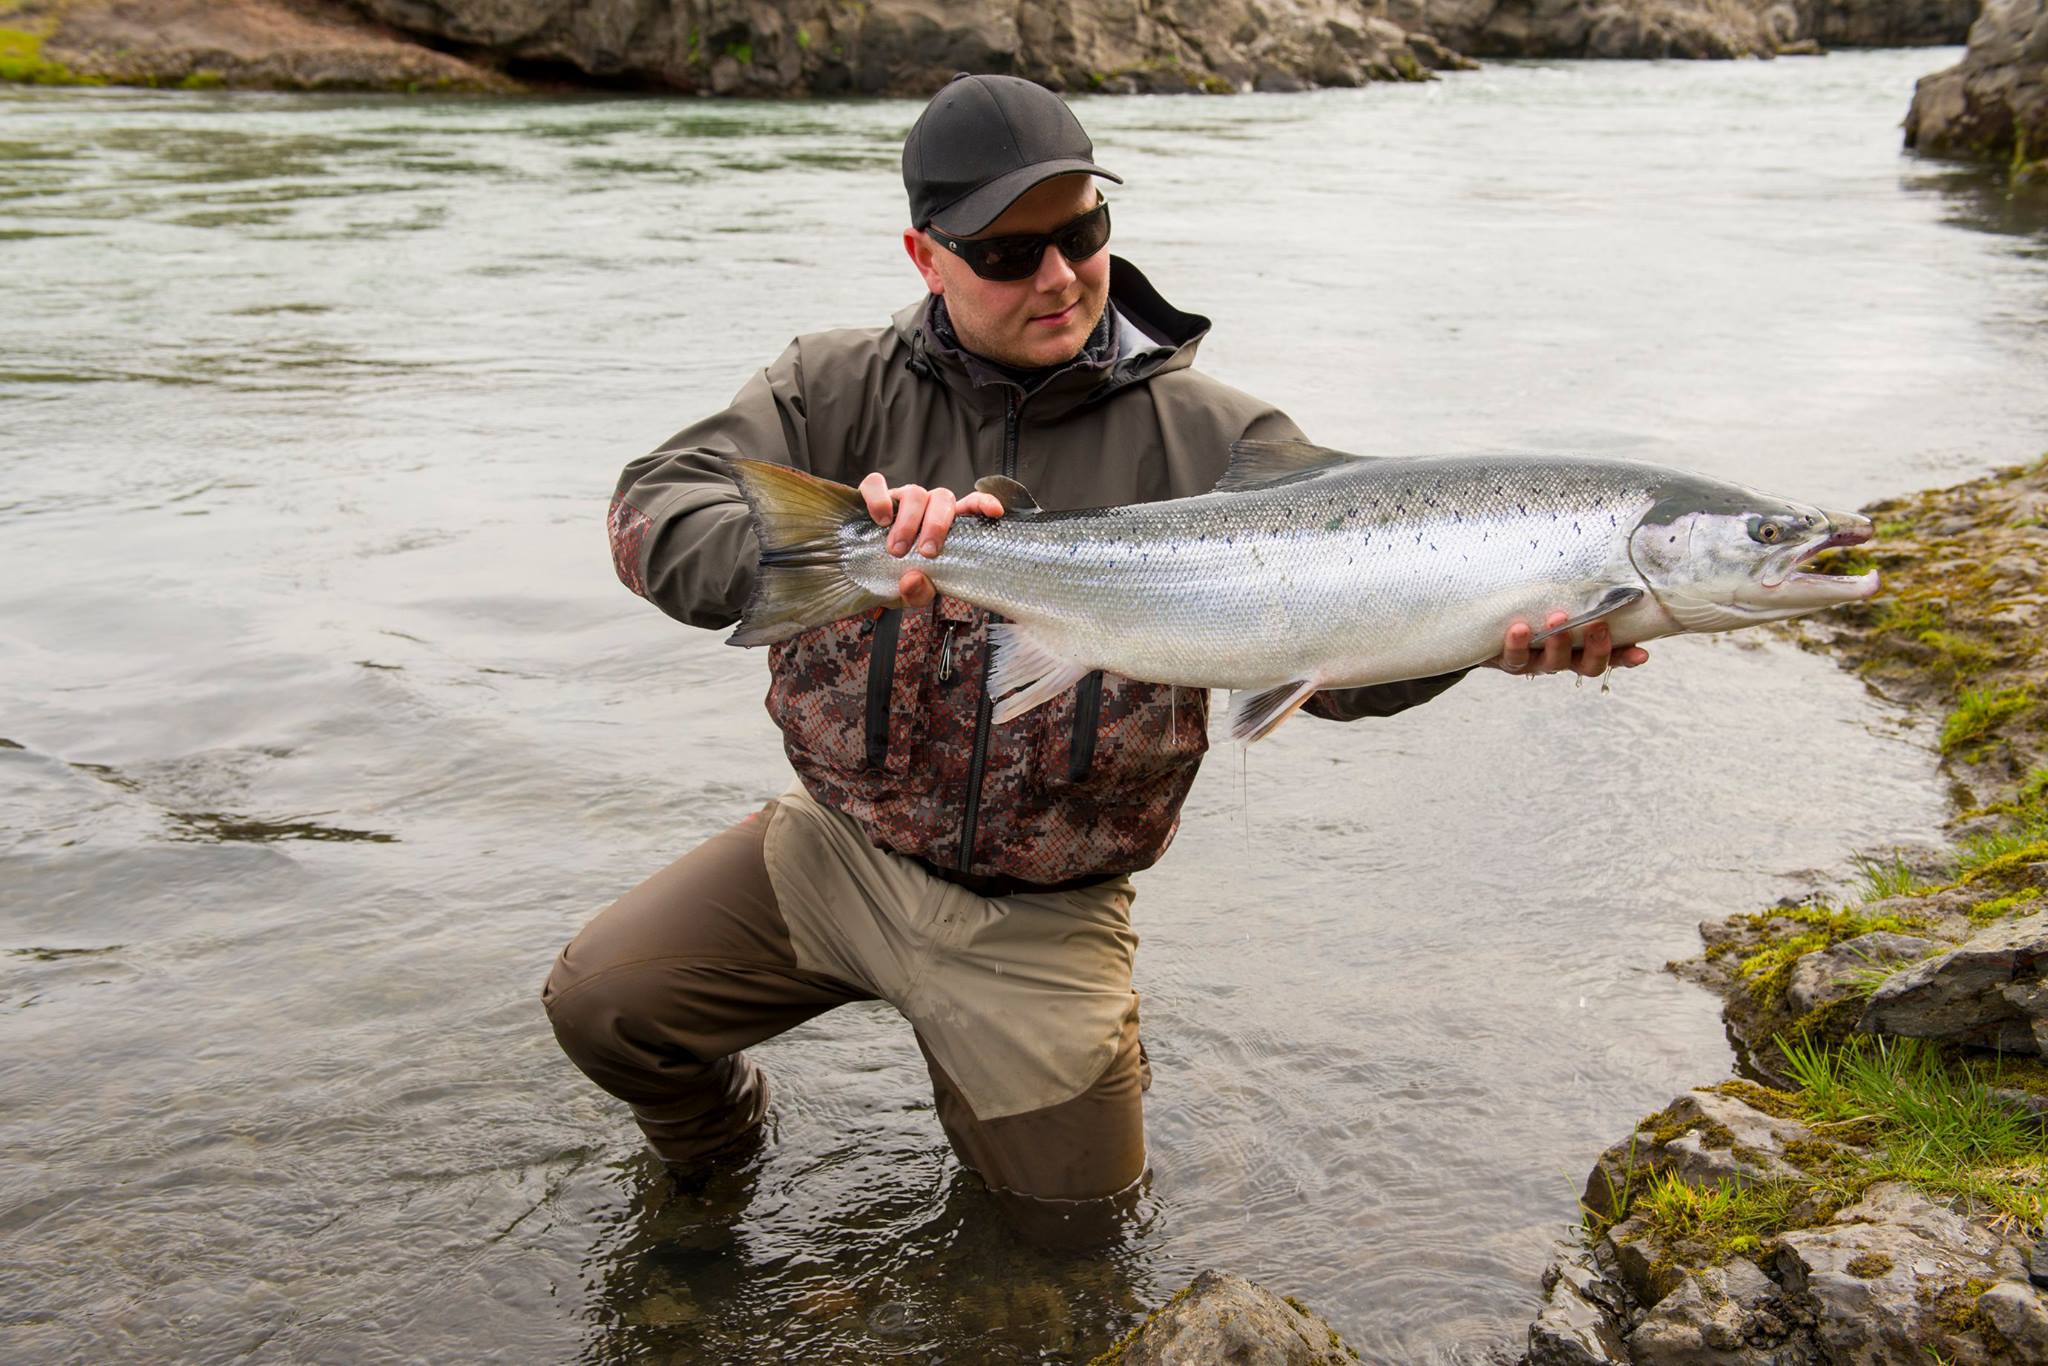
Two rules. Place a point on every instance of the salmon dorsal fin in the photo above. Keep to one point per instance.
(1255, 464)
(1012, 495)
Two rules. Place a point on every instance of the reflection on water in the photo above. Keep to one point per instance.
(328, 724)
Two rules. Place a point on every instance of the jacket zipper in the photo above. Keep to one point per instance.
(881, 680)
(979, 763)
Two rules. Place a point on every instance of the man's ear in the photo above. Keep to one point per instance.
(920, 249)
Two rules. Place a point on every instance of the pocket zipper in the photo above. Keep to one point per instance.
(946, 657)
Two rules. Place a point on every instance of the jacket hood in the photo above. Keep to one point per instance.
(1152, 337)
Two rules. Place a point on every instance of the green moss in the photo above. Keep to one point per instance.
(1978, 711)
(803, 39)
(1667, 1124)
(1955, 1306)
(1869, 1266)
(743, 53)
(1775, 1103)
(1984, 912)
(1115, 1354)
(22, 61)
(1768, 968)
(203, 80)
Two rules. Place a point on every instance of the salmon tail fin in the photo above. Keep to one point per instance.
(802, 582)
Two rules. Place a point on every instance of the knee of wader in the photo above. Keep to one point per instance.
(608, 1021)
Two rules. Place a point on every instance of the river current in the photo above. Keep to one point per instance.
(324, 723)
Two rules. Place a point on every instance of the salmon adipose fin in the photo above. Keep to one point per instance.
(1612, 601)
(1024, 672)
(1260, 464)
(802, 581)
(1255, 715)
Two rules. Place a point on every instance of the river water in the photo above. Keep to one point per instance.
(325, 722)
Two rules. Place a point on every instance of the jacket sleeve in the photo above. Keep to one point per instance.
(1376, 699)
(680, 532)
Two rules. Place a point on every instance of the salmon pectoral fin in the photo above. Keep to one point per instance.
(1612, 601)
(1255, 715)
(1025, 672)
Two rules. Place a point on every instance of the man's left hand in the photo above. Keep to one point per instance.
(1556, 654)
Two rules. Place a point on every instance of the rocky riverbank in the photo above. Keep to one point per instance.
(897, 47)
(1992, 105)
(1872, 1190)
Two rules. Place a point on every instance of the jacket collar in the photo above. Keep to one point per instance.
(1148, 336)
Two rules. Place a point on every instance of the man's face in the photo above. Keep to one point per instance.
(1043, 319)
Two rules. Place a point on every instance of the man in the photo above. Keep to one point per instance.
(975, 876)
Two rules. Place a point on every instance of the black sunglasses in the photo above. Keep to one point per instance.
(1017, 258)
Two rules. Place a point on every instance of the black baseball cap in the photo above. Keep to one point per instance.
(982, 142)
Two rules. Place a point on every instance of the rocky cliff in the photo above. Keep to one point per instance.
(1993, 103)
(902, 47)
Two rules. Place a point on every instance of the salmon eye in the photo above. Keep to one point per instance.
(1767, 532)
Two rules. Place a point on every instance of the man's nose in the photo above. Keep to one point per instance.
(1054, 273)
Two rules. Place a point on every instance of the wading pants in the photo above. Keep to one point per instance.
(1021, 1004)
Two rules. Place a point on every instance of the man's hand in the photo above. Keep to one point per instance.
(1556, 655)
(919, 518)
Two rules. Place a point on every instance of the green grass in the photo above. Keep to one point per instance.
(1912, 1113)
(1933, 1121)
(1886, 878)
(1978, 711)
(1713, 1223)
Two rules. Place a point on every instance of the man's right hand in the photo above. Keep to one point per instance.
(918, 518)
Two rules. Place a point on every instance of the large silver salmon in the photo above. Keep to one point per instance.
(1306, 568)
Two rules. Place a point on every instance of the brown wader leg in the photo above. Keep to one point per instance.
(1067, 1177)
(657, 996)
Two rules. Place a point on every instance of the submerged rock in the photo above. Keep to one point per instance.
(1224, 1318)
(1988, 992)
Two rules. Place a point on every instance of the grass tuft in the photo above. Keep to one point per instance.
(1979, 711)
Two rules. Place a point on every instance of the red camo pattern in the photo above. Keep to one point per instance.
(1036, 822)
(628, 526)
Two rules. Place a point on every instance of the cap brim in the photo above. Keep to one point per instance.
(978, 208)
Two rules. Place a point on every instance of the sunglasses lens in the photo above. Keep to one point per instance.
(1086, 237)
(1008, 258)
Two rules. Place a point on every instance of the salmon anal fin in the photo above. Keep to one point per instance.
(1255, 715)
(1612, 601)
(1025, 673)
(1256, 464)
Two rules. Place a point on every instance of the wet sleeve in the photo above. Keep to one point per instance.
(680, 533)
(1378, 699)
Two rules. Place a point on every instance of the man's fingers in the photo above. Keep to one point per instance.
(1514, 648)
(978, 504)
(1629, 656)
(874, 490)
(910, 503)
(1594, 656)
(915, 589)
(938, 520)
(1557, 651)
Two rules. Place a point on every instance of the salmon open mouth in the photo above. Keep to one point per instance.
(1860, 585)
